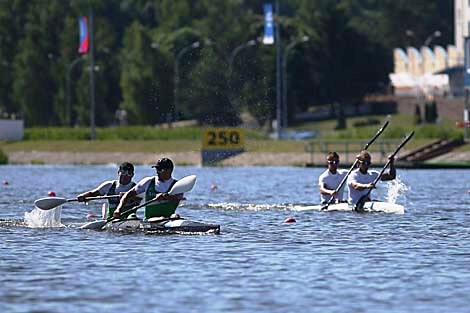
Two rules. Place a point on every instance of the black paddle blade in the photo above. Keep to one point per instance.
(359, 207)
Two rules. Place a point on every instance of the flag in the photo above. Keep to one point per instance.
(83, 39)
(268, 38)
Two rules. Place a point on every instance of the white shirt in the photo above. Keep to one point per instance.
(103, 189)
(358, 177)
(332, 181)
(160, 186)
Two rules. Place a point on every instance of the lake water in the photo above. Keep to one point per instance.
(325, 262)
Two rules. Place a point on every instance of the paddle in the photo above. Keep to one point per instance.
(183, 185)
(380, 131)
(52, 202)
(359, 205)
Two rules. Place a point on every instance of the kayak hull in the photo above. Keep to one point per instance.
(369, 207)
(155, 226)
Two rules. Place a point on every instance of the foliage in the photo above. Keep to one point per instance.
(430, 112)
(417, 119)
(131, 133)
(3, 157)
(135, 42)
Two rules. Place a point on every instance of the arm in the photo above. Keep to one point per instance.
(92, 193)
(358, 186)
(124, 200)
(326, 191)
(392, 172)
(101, 190)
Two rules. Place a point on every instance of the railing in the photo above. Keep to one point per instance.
(349, 149)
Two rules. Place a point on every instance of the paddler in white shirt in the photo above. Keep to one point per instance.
(330, 179)
(155, 187)
(114, 187)
(361, 179)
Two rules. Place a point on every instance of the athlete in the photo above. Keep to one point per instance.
(114, 187)
(362, 179)
(330, 179)
(155, 188)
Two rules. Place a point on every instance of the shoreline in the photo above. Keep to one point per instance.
(449, 160)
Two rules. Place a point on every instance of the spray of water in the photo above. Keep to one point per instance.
(38, 218)
(395, 188)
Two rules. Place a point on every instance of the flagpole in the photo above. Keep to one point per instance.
(92, 78)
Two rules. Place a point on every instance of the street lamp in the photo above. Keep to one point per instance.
(236, 51)
(284, 76)
(428, 40)
(68, 87)
(194, 45)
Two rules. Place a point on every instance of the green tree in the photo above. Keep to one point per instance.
(36, 63)
(143, 95)
(11, 26)
(209, 92)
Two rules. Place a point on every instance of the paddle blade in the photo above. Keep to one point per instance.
(49, 203)
(183, 185)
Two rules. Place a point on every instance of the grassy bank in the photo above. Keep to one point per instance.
(188, 139)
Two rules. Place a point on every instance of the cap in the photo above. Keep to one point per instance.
(126, 166)
(163, 163)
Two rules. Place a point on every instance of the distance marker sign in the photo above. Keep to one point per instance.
(223, 139)
(221, 143)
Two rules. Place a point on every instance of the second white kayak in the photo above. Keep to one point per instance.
(372, 206)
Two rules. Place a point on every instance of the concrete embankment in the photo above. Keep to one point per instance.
(194, 158)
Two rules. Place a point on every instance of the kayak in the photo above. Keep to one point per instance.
(166, 225)
(371, 206)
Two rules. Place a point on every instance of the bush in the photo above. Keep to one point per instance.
(3, 158)
(417, 119)
(430, 112)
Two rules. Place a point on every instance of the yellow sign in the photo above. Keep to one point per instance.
(223, 139)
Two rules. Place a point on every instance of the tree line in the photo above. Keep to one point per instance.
(163, 60)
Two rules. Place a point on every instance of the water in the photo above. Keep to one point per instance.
(325, 262)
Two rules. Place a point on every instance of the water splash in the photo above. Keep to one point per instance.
(38, 218)
(245, 206)
(395, 188)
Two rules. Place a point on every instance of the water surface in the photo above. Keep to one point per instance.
(325, 262)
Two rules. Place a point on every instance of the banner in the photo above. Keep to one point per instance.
(268, 38)
(83, 39)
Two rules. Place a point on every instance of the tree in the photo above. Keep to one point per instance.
(136, 77)
(209, 93)
(35, 64)
(11, 26)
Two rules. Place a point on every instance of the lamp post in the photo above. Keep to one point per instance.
(284, 76)
(194, 45)
(68, 87)
(278, 70)
(236, 51)
(428, 40)
(92, 77)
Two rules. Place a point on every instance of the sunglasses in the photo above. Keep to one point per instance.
(161, 170)
(127, 172)
(365, 162)
(333, 162)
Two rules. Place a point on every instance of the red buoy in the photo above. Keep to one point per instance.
(51, 194)
(90, 215)
(214, 187)
(290, 219)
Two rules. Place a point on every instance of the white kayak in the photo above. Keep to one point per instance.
(372, 206)
(167, 225)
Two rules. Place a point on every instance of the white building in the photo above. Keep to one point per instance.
(461, 24)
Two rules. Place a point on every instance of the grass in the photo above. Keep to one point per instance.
(188, 139)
